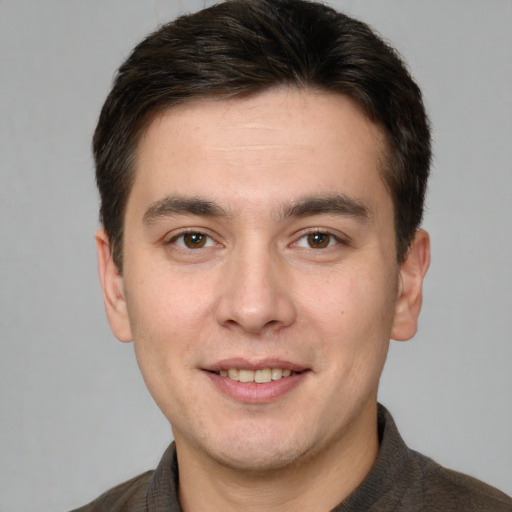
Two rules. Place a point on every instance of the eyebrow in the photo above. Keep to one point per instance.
(177, 205)
(335, 204)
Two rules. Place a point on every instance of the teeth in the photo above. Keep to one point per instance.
(263, 375)
(246, 376)
(277, 373)
(233, 374)
(258, 376)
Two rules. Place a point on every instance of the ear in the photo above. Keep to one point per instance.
(412, 272)
(113, 289)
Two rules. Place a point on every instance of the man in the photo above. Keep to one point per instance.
(262, 167)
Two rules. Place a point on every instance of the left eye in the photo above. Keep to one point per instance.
(193, 240)
(317, 240)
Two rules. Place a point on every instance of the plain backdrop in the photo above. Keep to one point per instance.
(75, 416)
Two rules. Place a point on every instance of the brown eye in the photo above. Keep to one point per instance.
(194, 240)
(319, 240)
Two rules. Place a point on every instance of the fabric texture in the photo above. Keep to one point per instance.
(401, 480)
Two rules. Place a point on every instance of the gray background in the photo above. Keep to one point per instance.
(75, 416)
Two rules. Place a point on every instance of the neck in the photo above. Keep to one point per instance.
(316, 483)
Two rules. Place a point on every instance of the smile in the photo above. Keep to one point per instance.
(254, 382)
(259, 376)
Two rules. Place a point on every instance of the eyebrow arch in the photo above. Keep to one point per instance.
(177, 205)
(336, 204)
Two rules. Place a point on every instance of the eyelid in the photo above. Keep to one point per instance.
(340, 238)
(174, 236)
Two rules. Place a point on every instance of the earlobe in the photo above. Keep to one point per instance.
(113, 289)
(412, 273)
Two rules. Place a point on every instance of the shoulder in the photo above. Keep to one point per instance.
(447, 490)
(129, 496)
(153, 490)
(406, 480)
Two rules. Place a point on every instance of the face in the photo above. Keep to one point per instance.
(260, 283)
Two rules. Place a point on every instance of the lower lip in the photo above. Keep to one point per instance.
(254, 393)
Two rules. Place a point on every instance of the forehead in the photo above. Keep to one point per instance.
(274, 144)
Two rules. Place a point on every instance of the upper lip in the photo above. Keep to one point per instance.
(254, 364)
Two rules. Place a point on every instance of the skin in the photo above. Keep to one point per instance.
(258, 286)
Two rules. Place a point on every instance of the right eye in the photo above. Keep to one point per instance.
(192, 240)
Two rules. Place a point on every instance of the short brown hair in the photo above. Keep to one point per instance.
(242, 47)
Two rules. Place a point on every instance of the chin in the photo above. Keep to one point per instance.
(259, 450)
(257, 460)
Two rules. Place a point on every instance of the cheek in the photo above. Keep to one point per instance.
(353, 315)
(166, 329)
(165, 301)
(351, 298)
(173, 324)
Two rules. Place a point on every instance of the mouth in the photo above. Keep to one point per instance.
(256, 382)
(260, 376)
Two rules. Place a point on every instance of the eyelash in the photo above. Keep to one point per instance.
(332, 239)
(209, 241)
(207, 238)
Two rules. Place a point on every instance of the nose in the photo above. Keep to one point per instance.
(256, 293)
